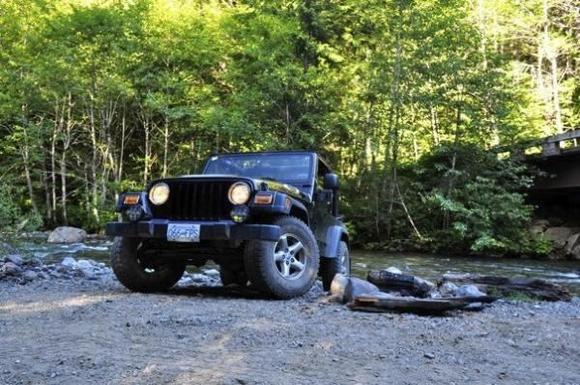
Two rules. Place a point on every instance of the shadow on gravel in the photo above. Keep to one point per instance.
(218, 292)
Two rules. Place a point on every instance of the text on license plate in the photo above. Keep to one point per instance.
(179, 232)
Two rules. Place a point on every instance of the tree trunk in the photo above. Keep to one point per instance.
(25, 153)
(556, 93)
(93, 165)
(165, 145)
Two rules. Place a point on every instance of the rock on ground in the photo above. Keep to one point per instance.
(67, 234)
(471, 291)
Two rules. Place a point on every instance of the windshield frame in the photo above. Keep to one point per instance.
(302, 184)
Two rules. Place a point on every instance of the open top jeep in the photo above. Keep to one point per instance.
(269, 219)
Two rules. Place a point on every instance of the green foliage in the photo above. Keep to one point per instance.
(12, 217)
(473, 202)
(99, 97)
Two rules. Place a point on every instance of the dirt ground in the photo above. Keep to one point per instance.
(94, 333)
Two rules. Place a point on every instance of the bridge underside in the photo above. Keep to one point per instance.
(558, 193)
(563, 172)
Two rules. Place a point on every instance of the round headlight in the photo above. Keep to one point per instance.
(239, 193)
(159, 193)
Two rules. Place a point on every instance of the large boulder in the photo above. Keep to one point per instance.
(67, 234)
(539, 226)
(575, 252)
(345, 289)
(573, 246)
(560, 235)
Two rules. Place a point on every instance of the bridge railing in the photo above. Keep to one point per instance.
(554, 145)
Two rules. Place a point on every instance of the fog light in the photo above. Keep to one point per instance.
(134, 213)
(240, 213)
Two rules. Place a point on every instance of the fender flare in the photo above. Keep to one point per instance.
(334, 235)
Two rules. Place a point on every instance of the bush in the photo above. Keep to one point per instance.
(9, 210)
(474, 202)
(12, 217)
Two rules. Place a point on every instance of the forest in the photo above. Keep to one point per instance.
(405, 98)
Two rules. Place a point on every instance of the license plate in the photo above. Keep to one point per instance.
(178, 232)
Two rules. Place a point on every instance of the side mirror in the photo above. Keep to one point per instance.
(331, 181)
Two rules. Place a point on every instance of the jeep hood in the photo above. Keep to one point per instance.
(258, 184)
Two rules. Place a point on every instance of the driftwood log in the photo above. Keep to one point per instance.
(403, 283)
(372, 303)
(513, 287)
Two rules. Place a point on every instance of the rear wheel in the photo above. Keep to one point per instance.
(138, 273)
(329, 267)
(286, 268)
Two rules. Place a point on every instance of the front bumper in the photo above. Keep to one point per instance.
(209, 230)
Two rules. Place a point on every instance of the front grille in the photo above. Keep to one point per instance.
(195, 200)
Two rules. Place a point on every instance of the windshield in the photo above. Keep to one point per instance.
(289, 168)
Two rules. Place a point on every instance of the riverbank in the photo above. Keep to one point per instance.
(428, 266)
(92, 331)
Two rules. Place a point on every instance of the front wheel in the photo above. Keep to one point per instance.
(287, 268)
(138, 273)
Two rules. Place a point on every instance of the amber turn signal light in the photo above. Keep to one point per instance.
(263, 199)
(131, 199)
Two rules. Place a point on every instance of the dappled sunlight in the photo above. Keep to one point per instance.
(16, 308)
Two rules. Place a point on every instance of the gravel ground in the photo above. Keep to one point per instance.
(79, 331)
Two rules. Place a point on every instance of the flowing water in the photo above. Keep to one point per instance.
(423, 265)
(434, 266)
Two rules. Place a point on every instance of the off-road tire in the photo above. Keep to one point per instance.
(128, 270)
(261, 268)
(329, 267)
(233, 277)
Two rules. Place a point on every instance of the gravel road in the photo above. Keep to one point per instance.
(95, 332)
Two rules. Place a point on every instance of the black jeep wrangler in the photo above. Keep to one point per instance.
(269, 219)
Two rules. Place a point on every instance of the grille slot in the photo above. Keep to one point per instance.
(195, 200)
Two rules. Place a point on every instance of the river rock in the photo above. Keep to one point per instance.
(34, 262)
(29, 275)
(338, 286)
(200, 278)
(211, 272)
(469, 291)
(15, 259)
(86, 268)
(448, 289)
(394, 270)
(67, 234)
(69, 262)
(10, 269)
(84, 264)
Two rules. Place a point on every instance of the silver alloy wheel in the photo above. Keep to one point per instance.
(290, 257)
(344, 268)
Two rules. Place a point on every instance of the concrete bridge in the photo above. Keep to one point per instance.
(559, 159)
